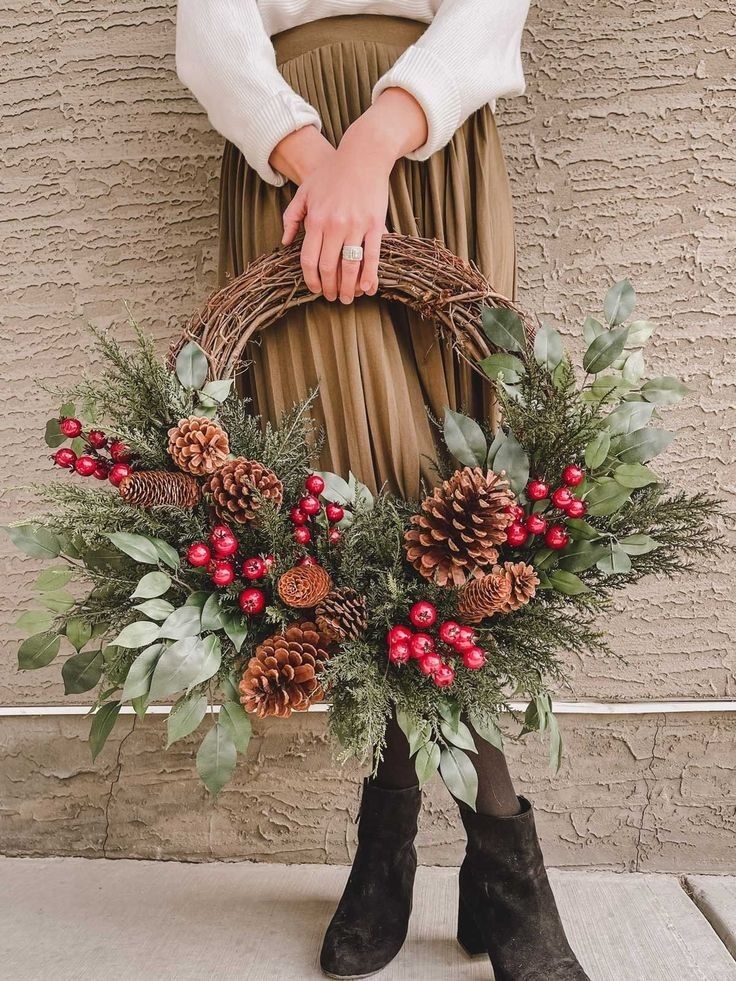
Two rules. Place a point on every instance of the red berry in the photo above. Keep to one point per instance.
(65, 458)
(556, 537)
(96, 438)
(465, 639)
(423, 614)
(314, 483)
(310, 505)
(536, 524)
(562, 497)
(307, 560)
(220, 533)
(118, 472)
(102, 470)
(421, 644)
(516, 511)
(298, 517)
(222, 573)
(576, 508)
(537, 490)
(444, 676)
(334, 536)
(573, 475)
(397, 634)
(252, 601)
(516, 534)
(71, 428)
(270, 561)
(198, 554)
(334, 513)
(429, 663)
(225, 547)
(302, 536)
(399, 653)
(254, 568)
(449, 631)
(85, 465)
(119, 451)
(474, 658)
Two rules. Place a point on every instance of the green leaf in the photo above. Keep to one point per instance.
(604, 350)
(592, 328)
(512, 458)
(140, 705)
(218, 390)
(664, 391)
(548, 349)
(178, 667)
(336, 489)
(450, 712)
(459, 775)
(638, 544)
(555, 744)
(597, 450)
(615, 560)
(229, 686)
(567, 583)
(52, 579)
(606, 388)
(138, 681)
(606, 497)
(508, 365)
(544, 558)
(234, 717)
(642, 445)
(153, 584)
(81, 672)
(39, 543)
(168, 555)
(619, 302)
(103, 722)
(639, 333)
(460, 737)
(35, 621)
(628, 417)
(155, 609)
(582, 555)
(216, 759)
(198, 599)
(633, 367)
(419, 735)
(192, 366)
(53, 436)
(138, 547)
(235, 628)
(532, 719)
(488, 730)
(465, 439)
(498, 441)
(212, 660)
(504, 329)
(211, 616)
(634, 475)
(58, 602)
(137, 634)
(38, 651)
(426, 762)
(184, 622)
(185, 717)
(78, 633)
(581, 529)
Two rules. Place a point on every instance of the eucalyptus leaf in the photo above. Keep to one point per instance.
(544, 558)
(634, 475)
(567, 583)
(604, 350)
(633, 367)
(234, 717)
(185, 717)
(639, 333)
(103, 722)
(39, 543)
(643, 445)
(211, 616)
(464, 439)
(606, 497)
(78, 632)
(507, 365)
(198, 599)
(35, 621)
(638, 544)
(548, 349)
(591, 329)
(619, 302)
(216, 758)
(664, 391)
(38, 650)
(336, 489)
(504, 329)
(597, 449)
(512, 458)
(450, 712)
(495, 446)
(419, 735)
(140, 706)
(235, 628)
(168, 555)
(606, 388)
(212, 660)
(140, 672)
(459, 775)
(53, 435)
(581, 555)
(178, 667)
(488, 730)
(155, 609)
(58, 602)
(138, 547)
(579, 528)
(138, 634)
(555, 745)
(52, 579)
(628, 417)
(186, 621)
(427, 762)
(460, 737)
(192, 366)
(81, 672)
(615, 561)
(218, 390)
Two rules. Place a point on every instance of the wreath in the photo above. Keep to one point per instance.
(215, 564)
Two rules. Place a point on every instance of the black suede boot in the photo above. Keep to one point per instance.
(507, 909)
(370, 924)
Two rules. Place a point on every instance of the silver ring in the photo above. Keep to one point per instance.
(352, 253)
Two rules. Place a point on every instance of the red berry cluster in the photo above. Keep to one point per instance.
(431, 650)
(562, 498)
(309, 507)
(219, 556)
(93, 462)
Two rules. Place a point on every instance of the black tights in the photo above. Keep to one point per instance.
(496, 794)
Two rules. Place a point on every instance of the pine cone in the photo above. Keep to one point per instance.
(198, 445)
(523, 581)
(151, 488)
(240, 486)
(342, 615)
(462, 521)
(481, 598)
(304, 586)
(282, 677)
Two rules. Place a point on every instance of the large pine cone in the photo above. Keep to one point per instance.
(151, 488)
(523, 581)
(462, 522)
(198, 445)
(283, 675)
(342, 615)
(240, 486)
(304, 586)
(481, 598)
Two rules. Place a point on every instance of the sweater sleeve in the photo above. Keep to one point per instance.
(225, 57)
(469, 55)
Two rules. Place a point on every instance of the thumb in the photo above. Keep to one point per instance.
(293, 217)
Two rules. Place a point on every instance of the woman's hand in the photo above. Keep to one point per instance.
(344, 199)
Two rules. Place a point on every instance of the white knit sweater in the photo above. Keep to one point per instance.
(468, 56)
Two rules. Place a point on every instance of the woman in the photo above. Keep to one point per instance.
(344, 117)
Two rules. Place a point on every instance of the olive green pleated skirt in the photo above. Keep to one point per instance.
(379, 368)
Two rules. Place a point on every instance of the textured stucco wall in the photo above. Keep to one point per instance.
(622, 163)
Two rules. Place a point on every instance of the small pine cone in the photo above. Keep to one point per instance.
(152, 488)
(523, 581)
(240, 486)
(461, 523)
(198, 445)
(481, 598)
(342, 615)
(283, 675)
(304, 586)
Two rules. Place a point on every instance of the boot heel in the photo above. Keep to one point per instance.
(468, 935)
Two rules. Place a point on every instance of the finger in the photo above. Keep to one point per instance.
(311, 248)
(329, 261)
(350, 268)
(371, 255)
(293, 218)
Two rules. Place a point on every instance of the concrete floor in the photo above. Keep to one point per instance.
(68, 918)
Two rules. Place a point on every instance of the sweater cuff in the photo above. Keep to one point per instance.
(281, 114)
(425, 77)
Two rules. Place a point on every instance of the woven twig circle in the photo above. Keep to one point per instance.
(418, 272)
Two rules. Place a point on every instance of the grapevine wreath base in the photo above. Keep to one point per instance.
(215, 565)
